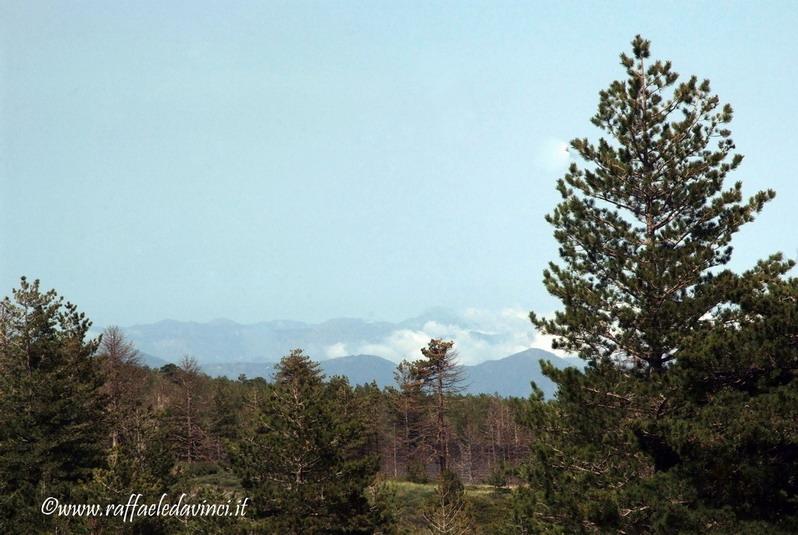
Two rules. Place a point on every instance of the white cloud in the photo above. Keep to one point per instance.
(481, 335)
(400, 344)
(543, 341)
(553, 155)
(336, 350)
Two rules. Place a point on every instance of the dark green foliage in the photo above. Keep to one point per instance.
(51, 410)
(90, 425)
(647, 218)
(708, 443)
(143, 466)
(228, 402)
(733, 408)
(583, 448)
(384, 507)
(307, 466)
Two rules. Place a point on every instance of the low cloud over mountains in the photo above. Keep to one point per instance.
(499, 350)
(479, 335)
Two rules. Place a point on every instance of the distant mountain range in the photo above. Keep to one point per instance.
(510, 376)
(223, 340)
(226, 348)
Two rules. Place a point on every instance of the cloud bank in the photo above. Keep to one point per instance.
(478, 334)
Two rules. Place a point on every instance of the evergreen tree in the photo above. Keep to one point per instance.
(587, 472)
(228, 405)
(733, 406)
(51, 409)
(645, 439)
(307, 466)
(644, 223)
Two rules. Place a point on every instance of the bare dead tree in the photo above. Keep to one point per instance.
(124, 379)
(407, 407)
(189, 405)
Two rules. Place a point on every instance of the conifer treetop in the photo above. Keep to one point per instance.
(646, 221)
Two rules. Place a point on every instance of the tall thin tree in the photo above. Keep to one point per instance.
(441, 376)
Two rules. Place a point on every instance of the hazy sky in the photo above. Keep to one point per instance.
(262, 160)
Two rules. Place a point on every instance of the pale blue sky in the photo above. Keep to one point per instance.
(259, 160)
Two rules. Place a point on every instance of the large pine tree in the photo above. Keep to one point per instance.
(646, 221)
(646, 438)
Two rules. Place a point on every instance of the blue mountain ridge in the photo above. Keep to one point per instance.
(509, 376)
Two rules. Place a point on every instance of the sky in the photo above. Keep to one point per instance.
(264, 160)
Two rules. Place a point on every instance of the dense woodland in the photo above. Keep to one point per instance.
(683, 421)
